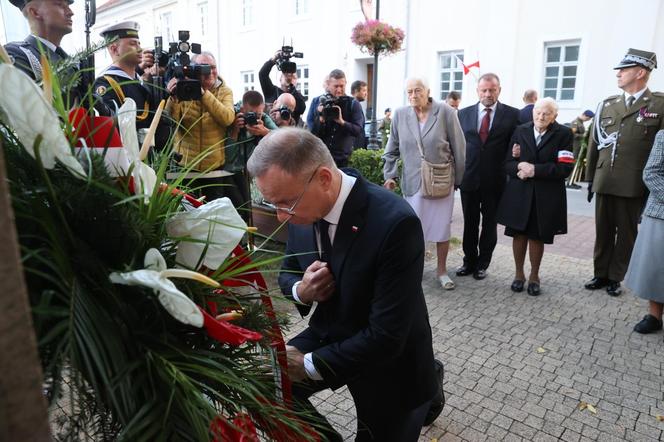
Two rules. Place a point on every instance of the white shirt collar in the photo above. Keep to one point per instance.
(481, 107)
(636, 95)
(46, 43)
(116, 70)
(347, 183)
(536, 132)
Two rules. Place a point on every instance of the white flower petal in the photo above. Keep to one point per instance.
(181, 307)
(154, 261)
(215, 224)
(30, 115)
(145, 179)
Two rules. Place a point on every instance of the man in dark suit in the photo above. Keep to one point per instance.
(357, 251)
(488, 127)
(526, 112)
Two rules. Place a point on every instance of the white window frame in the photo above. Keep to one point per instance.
(248, 81)
(165, 27)
(301, 8)
(247, 13)
(203, 11)
(560, 76)
(455, 68)
(303, 73)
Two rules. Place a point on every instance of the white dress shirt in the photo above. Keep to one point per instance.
(481, 112)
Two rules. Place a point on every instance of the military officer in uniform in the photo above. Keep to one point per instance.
(621, 139)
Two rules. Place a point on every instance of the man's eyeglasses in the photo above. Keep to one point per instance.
(291, 210)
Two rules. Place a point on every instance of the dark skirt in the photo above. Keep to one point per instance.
(532, 230)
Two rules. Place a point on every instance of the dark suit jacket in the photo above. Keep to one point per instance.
(484, 162)
(376, 325)
(526, 113)
(547, 187)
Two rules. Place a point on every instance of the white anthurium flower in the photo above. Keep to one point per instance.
(215, 229)
(155, 275)
(144, 176)
(30, 115)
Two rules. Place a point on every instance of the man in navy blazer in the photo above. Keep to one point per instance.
(488, 126)
(357, 251)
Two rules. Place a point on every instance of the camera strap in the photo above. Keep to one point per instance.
(121, 96)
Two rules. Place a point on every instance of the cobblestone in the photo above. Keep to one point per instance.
(500, 387)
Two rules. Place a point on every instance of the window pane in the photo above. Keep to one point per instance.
(568, 83)
(571, 53)
(551, 71)
(458, 85)
(446, 76)
(460, 55)
(458, 76)
(553, 54)
(445, 86)
(550, 93)
(306, 72)
(445, 61)
(567, 94)
(569, 71)
(550, 83)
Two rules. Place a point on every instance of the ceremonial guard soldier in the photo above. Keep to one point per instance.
(621, 139)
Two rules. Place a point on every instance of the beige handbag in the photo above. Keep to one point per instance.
(437, 179)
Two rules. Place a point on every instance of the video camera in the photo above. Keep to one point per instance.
(283, 60)
(179, 66)
(284, 113)
(329, 101)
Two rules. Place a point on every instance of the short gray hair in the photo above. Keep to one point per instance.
(421, 80)
(196, 57)
(295, 151)
(546, 102)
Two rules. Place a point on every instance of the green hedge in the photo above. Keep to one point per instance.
(370, 164)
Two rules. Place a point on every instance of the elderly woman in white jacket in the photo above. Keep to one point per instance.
(436, 127)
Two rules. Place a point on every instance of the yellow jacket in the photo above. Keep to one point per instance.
(201, 126)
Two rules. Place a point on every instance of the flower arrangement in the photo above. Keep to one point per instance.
(134, 343)
(376, 37)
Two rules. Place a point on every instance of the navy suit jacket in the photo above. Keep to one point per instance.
(376, 324)
(484, 162)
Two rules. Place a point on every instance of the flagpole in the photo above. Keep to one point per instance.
(373, 133)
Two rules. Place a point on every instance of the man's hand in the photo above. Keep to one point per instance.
(590, 191)
(339, 120)
(170, 87)
(295, 359)
(147, 61)
(516, 150)
(258, 129)
(390, 184)
(317, 283)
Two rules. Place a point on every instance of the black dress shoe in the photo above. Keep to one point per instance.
(648, 324)
(464, 270)
(517, 285)
(613, 289)
(479, 274)
(533, 288)
(596, 283)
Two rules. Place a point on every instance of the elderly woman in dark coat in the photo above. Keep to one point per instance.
(533, 208)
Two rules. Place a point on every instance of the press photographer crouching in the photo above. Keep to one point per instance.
(250, 126)
(287, 80)
(336, 118)
(201, 128)
(282, 111)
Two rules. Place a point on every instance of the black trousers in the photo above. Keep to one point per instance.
(379, 416)
(478, 206)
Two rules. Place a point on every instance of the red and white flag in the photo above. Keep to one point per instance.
(466, 67)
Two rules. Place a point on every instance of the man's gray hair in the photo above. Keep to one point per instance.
(546, 102)
(489, 76)
(295, 151)
(196, 57)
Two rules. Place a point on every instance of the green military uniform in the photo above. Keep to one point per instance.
(617, 153)
(579, 134)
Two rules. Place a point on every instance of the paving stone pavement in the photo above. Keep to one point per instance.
(517, 367)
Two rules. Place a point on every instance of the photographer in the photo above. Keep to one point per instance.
(282, 110)
(336, 118)
(250, 126)
(201, 125)
(287, 84)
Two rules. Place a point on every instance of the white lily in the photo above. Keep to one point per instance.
(215, 228)
(144, 176)
(30, 115)
(155, 275)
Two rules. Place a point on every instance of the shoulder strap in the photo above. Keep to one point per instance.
(35, 64)
(121, 96)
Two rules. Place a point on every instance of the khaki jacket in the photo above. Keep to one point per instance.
(636, 128)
